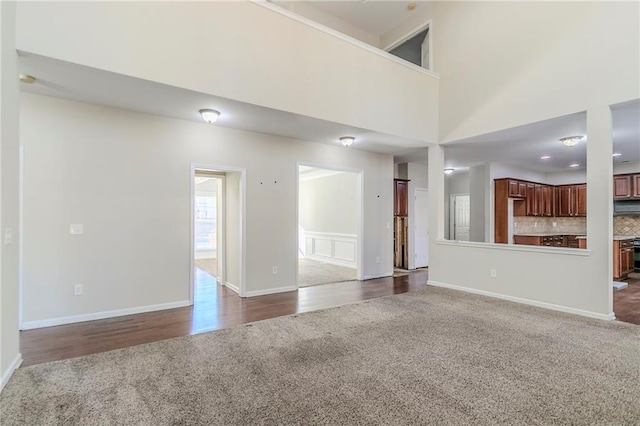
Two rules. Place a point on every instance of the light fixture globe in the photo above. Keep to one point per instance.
(209, 115)
(571, 140)
(448, 171)
(347, 140)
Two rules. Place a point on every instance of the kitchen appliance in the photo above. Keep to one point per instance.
(636, 254)
(626, 207)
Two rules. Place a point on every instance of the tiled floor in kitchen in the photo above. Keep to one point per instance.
(626, 302)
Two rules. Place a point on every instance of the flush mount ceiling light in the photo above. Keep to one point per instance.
(411, 6)
(209, 115)
(545, 157)
(25, 78)
(574, 165)
(347, 140)
(571, 140)
(448, 171)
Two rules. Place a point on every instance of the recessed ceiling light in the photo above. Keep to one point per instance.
(209, 115)
(574, 165)
(411, 6)
(616, 154)
(545, 157)
(448, 171)
(347, 140)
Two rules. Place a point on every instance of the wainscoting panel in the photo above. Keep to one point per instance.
(337, 249)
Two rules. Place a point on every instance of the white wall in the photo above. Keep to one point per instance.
(455, 183)
(504, 64)
(9, 195)
(330, 204)
(266, 59)
(125, 176)
(479, 188)
(233, 231)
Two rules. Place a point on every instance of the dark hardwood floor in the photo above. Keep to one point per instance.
(215, 307)
(626, 302)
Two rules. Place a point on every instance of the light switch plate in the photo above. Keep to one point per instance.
(76, 229)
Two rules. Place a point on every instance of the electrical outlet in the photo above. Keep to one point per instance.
(76, 229)
(77, 289)
(275, 270)
(8, 236)
(535, 224)
(555, 224)
(493, 273)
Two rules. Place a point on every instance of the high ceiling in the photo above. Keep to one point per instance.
(375, 17)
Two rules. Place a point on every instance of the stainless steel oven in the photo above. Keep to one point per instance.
(636, 254)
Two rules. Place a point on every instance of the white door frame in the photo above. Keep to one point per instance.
(360, 184)
(243, 215)
(414, 32)
(452, 214)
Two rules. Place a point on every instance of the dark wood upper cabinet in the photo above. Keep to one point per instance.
(622, 186)
(532, 206)
(581, 200)
(401, 197)
(635, 183)
(564, 201)
(516, 188)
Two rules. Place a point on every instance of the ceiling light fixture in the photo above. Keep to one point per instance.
(448, 171)
(574, 165)
(616, 154)
(411, 6)
(347, 140)
(26, 78)
(545, 157)
(209, 115)
(571, 140)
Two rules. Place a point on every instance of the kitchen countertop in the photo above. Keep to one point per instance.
(615, 237)
(548, 234)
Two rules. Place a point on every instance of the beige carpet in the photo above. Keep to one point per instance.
(208, 265)
(312, 272)
(434, 357)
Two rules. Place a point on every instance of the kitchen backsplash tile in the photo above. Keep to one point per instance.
(564, 225)
(626, 225)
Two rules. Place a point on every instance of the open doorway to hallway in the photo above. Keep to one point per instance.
(329, 225)
(216, 233)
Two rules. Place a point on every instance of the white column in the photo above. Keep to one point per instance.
(600, 197)
(436, 195)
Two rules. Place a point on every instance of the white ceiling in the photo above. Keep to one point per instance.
(71, 81)
(524, 145)
(375, 17)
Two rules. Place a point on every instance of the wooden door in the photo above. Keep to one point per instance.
(565, 201)
(635, 192)
(621, 187)
(401, 197)
(532, 207)
(539, 200)
(581, 200)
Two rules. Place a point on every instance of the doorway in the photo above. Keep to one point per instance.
(415, 47)
(217, 232)
(329, 243)
(460, 217)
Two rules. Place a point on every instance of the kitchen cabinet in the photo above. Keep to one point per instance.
(571, 200)
(626, 186)
(540, 200)
(401, 197)
(516, 188)
(621, 187)
(622, 258)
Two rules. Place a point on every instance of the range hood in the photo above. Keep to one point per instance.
(626, 207)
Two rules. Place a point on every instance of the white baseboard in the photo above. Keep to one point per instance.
(28, 325)
(232, 287)
(374, 276)
(332, 261)
(270, 291)
(560, 308)
(13, 367)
